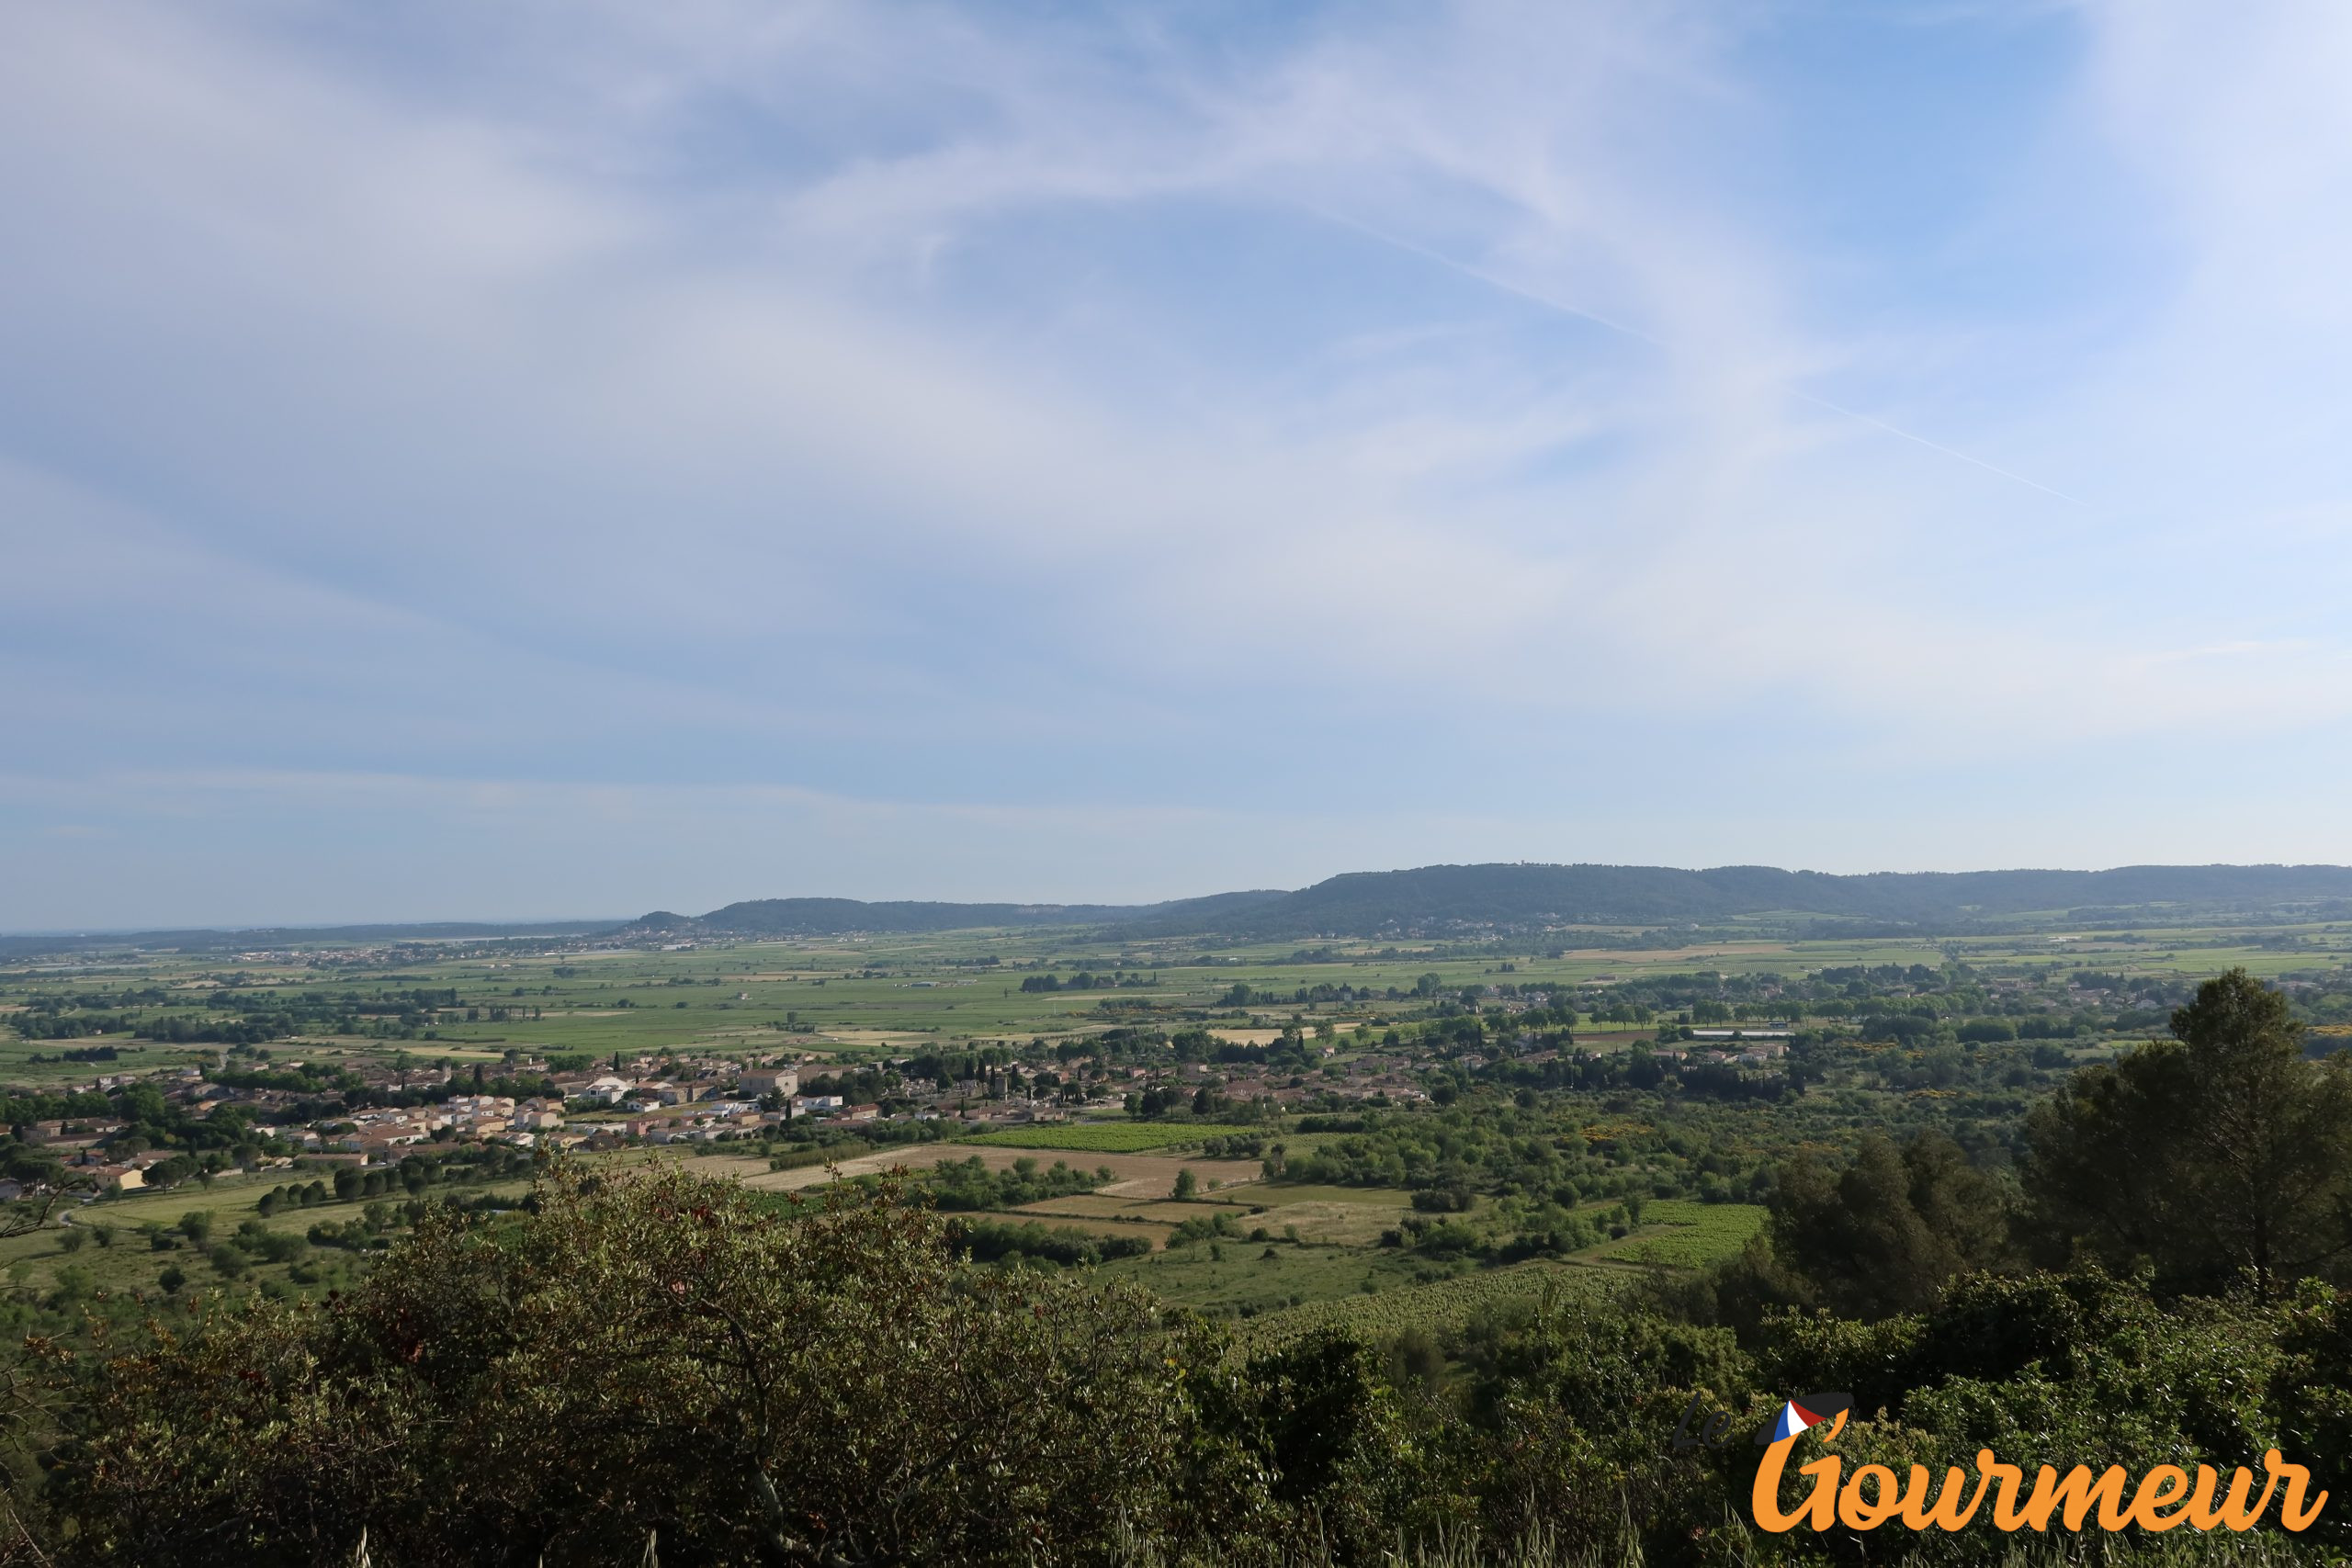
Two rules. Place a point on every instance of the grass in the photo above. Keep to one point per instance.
(1087, 1205)
(1236, 1278)
(1152, 1231)
(1282, 1194)
(1437, 1305)
(16, 1066)
(1680, 1234)
(131, 1263)
(1112, 1137)
(1737, 1545)
(1344, 1216)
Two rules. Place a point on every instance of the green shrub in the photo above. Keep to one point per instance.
(659, 1353)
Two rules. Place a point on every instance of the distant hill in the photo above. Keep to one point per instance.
(33, 944)
(1431, 901)
(1522, 897)
(826, 917)
(819, 917)
(1440, 899)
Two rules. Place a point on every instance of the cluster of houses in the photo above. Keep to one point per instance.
(376, 1137)
(655, 1102)
(697, 1099)
(84, 1145)
(1741, 1053)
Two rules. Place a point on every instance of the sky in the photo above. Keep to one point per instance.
(535, 459)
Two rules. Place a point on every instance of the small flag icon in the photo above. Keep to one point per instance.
(1798, 1415)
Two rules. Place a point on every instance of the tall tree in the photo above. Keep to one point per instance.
(2219, 1154)
(1886, 1234)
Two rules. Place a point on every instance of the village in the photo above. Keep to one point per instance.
(388, 1109)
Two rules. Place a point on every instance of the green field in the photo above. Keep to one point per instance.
(1241, 1279)
(1680, 1234)
(1112, 1137)
(859, 999)
(868, 1000)
(1435, 1306)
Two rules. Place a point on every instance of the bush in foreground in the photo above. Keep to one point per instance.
(653, 1354)
(671, 1358)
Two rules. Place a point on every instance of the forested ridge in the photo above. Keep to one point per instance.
(1437, 899)
(1440, 899)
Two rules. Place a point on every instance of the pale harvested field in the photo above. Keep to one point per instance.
(1129, 1216)
(915, 1156)
(729, 1164)
(1680, 954)
(1347, 1216)
(1351, 1225)
(877, 1039)
(1280, 1194)
(1154, 1176)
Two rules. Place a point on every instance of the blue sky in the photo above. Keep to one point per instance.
(535, 460)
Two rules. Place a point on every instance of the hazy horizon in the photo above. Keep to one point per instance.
(700, 910)
(617, 459)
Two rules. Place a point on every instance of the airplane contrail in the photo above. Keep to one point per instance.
(1935, 445)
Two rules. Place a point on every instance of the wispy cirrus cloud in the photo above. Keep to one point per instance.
(953, 409)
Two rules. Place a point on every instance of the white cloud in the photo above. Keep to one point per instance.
(824, 393)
